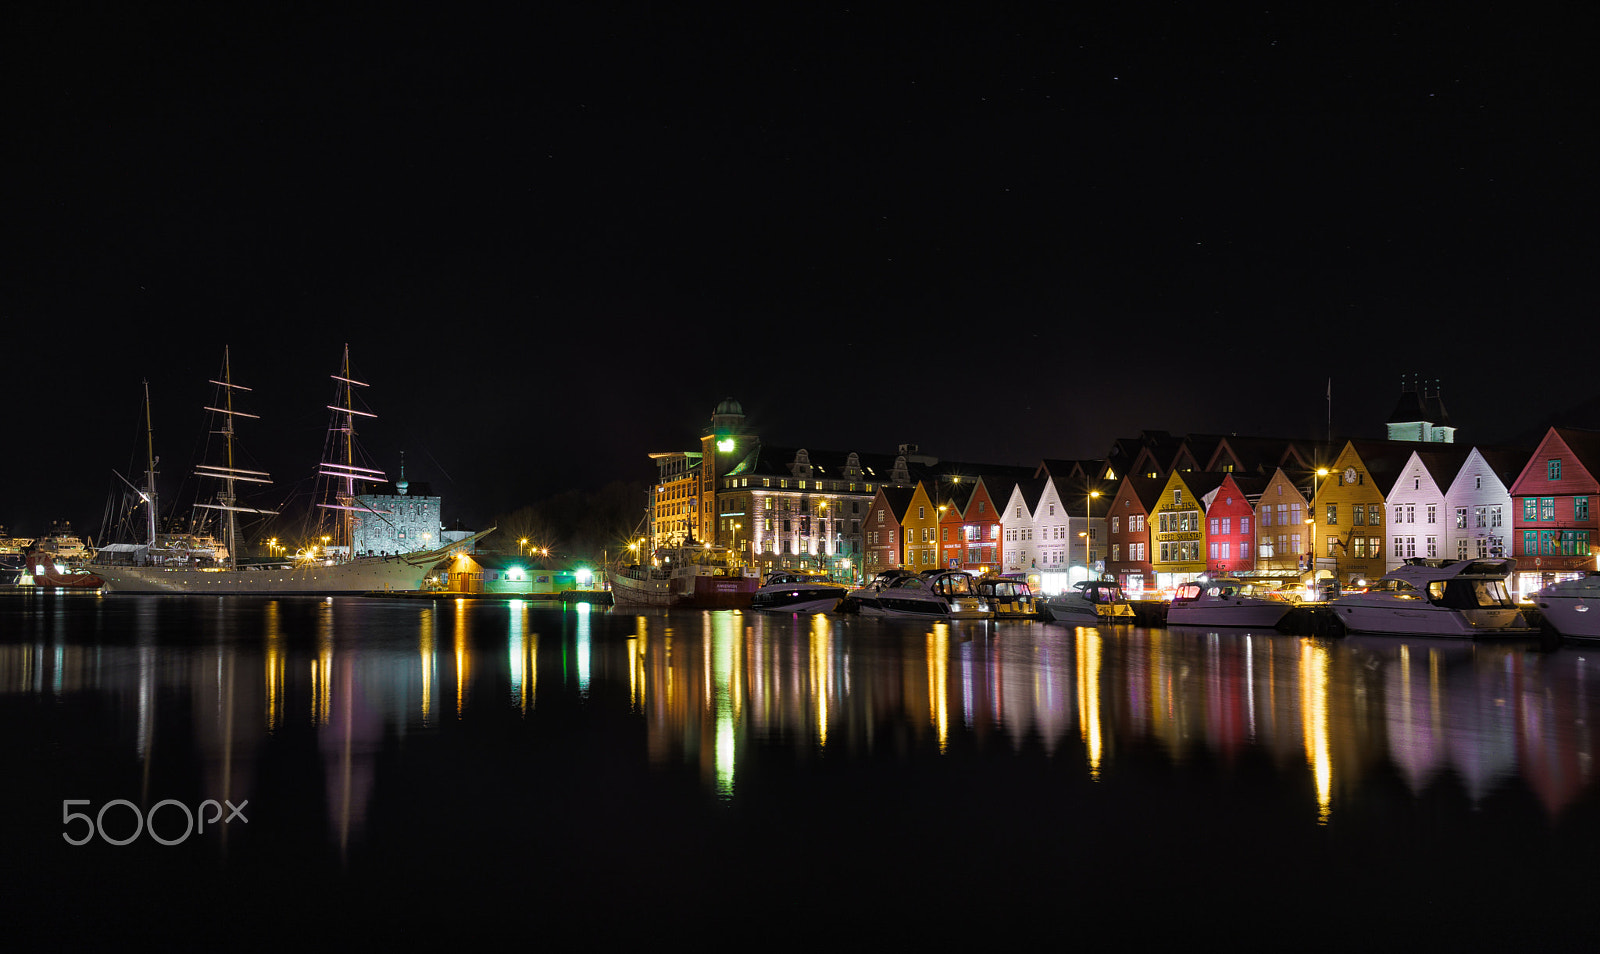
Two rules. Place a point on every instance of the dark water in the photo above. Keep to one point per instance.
(483, 773)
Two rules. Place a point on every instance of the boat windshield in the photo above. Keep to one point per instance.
(954, 584)
(1468, 594)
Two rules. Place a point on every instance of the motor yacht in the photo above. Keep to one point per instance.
(867, 594)
(1008, 599)
(1090, 603)
(1428, 597)
(1572, 607)
(946, 594)
(1225, 603)
(790, 592)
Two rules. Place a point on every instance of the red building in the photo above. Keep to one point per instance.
(1230, 537)
(1555, 509)
(1129, 533)
(883, 534)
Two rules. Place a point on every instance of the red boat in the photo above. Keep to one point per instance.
(53, 576)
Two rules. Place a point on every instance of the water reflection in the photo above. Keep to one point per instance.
(712, 690)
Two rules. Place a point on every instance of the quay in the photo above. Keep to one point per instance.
(593, 597)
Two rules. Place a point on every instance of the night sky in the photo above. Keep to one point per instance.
(555, 241)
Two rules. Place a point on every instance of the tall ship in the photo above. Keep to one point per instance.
(165, 564)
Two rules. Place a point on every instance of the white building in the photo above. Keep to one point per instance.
(1478, 503)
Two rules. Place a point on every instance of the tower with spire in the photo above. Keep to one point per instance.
(1420, 415)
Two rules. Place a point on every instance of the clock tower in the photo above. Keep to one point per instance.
(726, 442)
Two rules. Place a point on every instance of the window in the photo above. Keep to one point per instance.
(1215, 526)
(1116, 525)
(1266, 516)
(1358, 515)
(1461, 548)
(1432, 515)
(922, 513)
(1374, 515)
(1552, 469)
(1399, 547)
(1411, 513)
(1461, 520)
(1433, 547)
(1333, 515)
(1333, 546)
(1411, 547)
(1530, 508)
(1494, 516)
(1580, 508)
(1547, 508)
(1244, 524)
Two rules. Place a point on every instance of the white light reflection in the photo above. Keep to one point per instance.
(582, 610)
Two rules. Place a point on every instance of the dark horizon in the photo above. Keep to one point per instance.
(555, 240)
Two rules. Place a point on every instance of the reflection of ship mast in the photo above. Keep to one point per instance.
(340, 462)
(227, 500)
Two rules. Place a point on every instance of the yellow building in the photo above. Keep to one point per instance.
(1281, 529)
(921, 526)
(1177, 528)
(1347, 531)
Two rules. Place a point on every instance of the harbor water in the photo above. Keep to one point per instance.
(282, 773)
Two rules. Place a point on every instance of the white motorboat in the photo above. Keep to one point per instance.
(946, 594)
(789, 592)
(854, 600)
(1426, 597)
(1572, 607)
(1090, 603)
(1225, 603)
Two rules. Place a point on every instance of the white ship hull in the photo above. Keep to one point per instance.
(1255, 614)
(365, 575)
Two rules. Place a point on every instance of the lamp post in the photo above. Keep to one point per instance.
(1311, 519)
(1088, 557)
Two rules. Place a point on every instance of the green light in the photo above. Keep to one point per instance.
(725, 445)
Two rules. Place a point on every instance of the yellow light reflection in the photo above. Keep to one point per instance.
(938, 682)
(1314, 712)
(821, 673)
(427, 652)
(275, 666)
(462, 659)
(1089, 663)
(322, 667)
(724, 689)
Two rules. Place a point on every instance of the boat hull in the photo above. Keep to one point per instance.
(365, 575)
(1428, 620)
(1572, 609)
(684, 592)
(790, 600)
(1250, 614)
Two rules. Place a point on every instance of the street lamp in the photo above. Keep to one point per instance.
(520, 544)
(1311, 519)
(1088, 557)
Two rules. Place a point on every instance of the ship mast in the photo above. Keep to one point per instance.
(346, 471)
(227, 500)
(150, 470)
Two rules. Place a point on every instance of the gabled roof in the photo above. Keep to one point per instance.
(1443, 462)
(1261, 455)
(898, 500)
(1032, 491)
(1384, 460)
(1584, 445)
(1146, 490)
(1505, 462)
(1199, 482)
